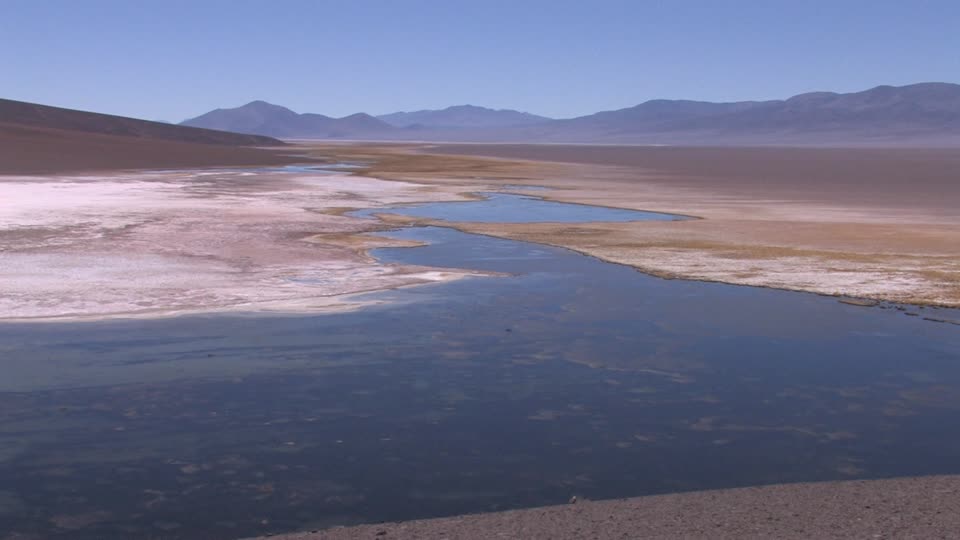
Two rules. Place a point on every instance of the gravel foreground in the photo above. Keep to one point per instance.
(927, 507)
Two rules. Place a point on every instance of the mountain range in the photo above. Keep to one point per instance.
(914, 114)
(262, 118)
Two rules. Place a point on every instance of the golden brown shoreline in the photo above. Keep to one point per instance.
(853, 227)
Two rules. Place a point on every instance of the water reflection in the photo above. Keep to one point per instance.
(511, 208)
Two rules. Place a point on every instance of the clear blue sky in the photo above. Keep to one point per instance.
(172, 59)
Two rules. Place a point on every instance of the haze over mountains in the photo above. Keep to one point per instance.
(262, 118)
(925, 113)
(463, 116)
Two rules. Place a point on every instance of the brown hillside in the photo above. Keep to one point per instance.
(34, 150)
(44, 116)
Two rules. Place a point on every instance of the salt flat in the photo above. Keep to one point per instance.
(156, 243)
(160, 243)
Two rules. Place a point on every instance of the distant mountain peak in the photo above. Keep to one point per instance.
(261, 105)
(264, 118)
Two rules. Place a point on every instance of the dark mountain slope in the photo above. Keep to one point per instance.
(44, 116)
(32, 150)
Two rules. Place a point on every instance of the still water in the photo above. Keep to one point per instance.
(511, 208)
(567, 376)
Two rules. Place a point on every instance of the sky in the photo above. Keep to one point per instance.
(175, 59)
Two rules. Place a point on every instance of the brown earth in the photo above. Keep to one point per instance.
(924, 179)
(925, 508)
(36, 139)
(45, 116)
(33, 150)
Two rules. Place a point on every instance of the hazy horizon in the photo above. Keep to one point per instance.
(479, 105)
(175, 60)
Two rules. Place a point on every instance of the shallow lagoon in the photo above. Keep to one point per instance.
(512, 208)
(570, 376)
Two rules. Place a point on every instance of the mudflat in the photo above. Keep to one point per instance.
(927, 179)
